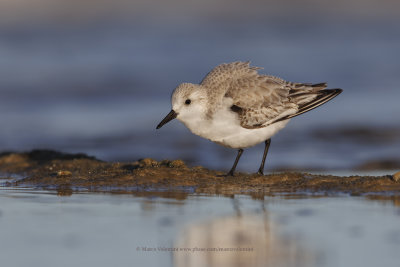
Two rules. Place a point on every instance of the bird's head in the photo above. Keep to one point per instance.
(189, 103)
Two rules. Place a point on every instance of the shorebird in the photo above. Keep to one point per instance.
(237, 107)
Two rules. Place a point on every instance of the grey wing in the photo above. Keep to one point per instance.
(263, 100)
(259, 100)
(223, 74)
(220, 80)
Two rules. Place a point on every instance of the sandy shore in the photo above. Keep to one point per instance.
(72, 172)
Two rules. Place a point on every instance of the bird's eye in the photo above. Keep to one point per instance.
(188, 101)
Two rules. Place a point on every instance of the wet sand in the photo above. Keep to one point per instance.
(67, 173)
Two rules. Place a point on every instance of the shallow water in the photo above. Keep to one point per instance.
(102, 88)
(39, 228)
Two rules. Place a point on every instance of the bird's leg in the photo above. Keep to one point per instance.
(261, 169)
(230, 173)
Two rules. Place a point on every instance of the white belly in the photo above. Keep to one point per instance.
(242, 137)
(225, 130)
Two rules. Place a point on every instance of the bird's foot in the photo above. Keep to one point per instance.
(260, 172)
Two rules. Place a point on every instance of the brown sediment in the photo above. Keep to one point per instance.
(69, 172)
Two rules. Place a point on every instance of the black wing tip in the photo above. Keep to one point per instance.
(324, 96)
(334, 92)
(319, 85)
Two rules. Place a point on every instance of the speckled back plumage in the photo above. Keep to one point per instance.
(260, 100)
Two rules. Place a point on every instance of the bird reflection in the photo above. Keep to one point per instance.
(244, 239)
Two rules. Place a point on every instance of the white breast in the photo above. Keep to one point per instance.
(225, 129)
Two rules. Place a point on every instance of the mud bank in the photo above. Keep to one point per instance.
(73, 172)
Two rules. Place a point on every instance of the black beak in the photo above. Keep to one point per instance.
(171, 115)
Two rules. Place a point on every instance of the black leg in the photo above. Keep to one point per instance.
(261, 169)
(230, 173)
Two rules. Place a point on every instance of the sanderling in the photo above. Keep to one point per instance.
(237, 107)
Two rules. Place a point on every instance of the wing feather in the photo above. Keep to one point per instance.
(260, 100)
